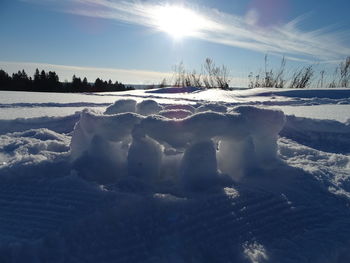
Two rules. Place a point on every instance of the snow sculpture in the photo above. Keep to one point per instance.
(103, 162)
(200, 145)
(112, 128)
(199, 169)
(99, 145)
(144, 156)
(236, 157)
(264, 126)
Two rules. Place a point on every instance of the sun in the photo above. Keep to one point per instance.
(177, 21)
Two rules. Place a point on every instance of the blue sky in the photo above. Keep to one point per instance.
(124, 40)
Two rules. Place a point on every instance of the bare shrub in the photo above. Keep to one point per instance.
(212, 77)
(163, 83)
(302, 78)
(344, 69)
(341, 75)
(270, 79)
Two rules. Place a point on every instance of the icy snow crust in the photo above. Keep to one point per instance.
(177, 180)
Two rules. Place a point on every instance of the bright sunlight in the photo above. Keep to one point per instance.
(178, 21)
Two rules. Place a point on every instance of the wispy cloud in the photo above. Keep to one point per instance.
(228, 29)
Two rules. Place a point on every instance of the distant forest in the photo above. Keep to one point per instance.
(49, 82)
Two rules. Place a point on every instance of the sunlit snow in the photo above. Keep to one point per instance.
(175, 175)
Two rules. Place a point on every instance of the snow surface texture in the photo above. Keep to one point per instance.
(173, 182)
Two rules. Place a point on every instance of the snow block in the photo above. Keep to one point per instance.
(264, 126)
(103, 162)
(110, 127)
(144, 157)
(236, 157)
(199, 170)
(262, 121)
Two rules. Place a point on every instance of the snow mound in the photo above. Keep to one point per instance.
(145, 107)
(180, 107)
(31, 147)
(148, 107)
(57, 124)
(212, 107)
(325, 135)
(121, 106)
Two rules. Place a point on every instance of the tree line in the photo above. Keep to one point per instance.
(49, 82)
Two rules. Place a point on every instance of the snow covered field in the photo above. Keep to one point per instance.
(175, 175)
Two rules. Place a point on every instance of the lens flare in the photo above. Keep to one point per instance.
(177, 21)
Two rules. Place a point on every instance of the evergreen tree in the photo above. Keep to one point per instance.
(5, 80)
(85, 82)
(36, 76)
(20, 81)
(42, 75)
(76, 84)
(98, 86)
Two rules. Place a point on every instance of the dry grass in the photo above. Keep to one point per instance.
(301, 78)
(212, 76)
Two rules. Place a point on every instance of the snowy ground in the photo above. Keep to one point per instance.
(175, 175)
